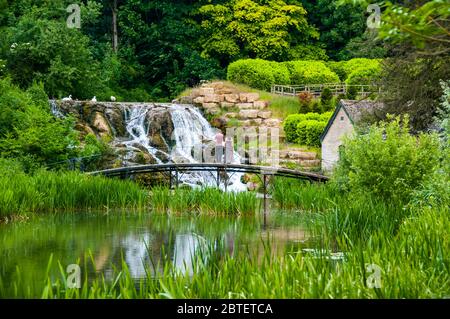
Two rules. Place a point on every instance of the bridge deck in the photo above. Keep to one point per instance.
(190, 167)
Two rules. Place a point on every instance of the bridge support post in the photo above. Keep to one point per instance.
(218, 177)
(170, 179)
(176, 178)
(265, 198)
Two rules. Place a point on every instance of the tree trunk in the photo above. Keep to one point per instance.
(115, 37)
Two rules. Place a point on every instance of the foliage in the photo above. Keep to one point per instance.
(367, 45)
(305, 100)
(388, 162)
(418, 33)
(326, 99)
(270, 29)
(309, 131)
(46, 50)
(305, 128)
(205, 200)
(28, 131)
(310, 72)
(352, 92)
(338, 25)
(258, 73)
(44, 192)
(421, 25)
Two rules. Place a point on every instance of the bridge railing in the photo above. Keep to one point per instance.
(212, 167)
(316, 89)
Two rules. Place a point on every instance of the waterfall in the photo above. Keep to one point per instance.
(56, 111)
(138, 131)
(192, 134)
(168, 133)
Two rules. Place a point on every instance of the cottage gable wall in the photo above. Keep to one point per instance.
(340, 127)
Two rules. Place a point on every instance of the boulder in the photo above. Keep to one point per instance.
(198, 100)
(101, 124)
(244, 106)
(232, 98)
(210, 105)
(248, 97)
(212, 98)
(272, 122)
(302, 155)
(213, 110)
(227, 105)
(205, 91)
(260, 104)
(250, 114)
(231, 115)
(264, 114)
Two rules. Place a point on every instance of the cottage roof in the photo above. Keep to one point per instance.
(354, 110)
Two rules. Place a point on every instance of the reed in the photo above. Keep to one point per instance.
(414, 263)
(65, 191)
(203, 200)
(302, 195)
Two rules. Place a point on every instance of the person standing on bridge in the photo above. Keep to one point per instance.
(219, 147)
(229, 154)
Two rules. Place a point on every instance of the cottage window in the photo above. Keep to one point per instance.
(342, 118)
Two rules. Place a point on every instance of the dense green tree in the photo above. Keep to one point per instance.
(271, 29)
(337, 24)
(419, 33)
(42, 48)
(28, 131)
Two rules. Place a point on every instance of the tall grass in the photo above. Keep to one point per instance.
(302, 195)
(338, 214)
(414, 263)
(204, 200)
(53, 191)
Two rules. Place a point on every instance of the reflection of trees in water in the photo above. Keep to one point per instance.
(145, 254)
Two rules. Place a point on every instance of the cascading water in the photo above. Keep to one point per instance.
(191, 135)
(138, 131)
(155, 133)
(56, 111)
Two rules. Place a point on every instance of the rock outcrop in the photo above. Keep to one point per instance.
(219, 97)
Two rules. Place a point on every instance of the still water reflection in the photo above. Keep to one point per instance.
(144, 242)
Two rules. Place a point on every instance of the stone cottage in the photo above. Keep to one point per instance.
(341, 123)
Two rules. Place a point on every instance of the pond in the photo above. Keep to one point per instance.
(146, 242)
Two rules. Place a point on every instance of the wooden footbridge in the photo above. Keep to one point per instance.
(221, 172)
(218, 170)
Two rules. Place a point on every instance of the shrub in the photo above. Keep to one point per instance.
(352, 92)
(305, 99)
(338, 68)
(362, 71)
(302, 128)
(310, 72)
(316, 107)
(290, 126)
(326, 99)
(258, 73)
(309, 132)
(388, 162)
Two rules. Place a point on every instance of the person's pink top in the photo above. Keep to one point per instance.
(219, 139)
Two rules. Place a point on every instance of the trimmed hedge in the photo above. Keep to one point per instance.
(305, 128)
(262, 74)
(357, 71)
(257, 73)
(311, 130)
(310, 72)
